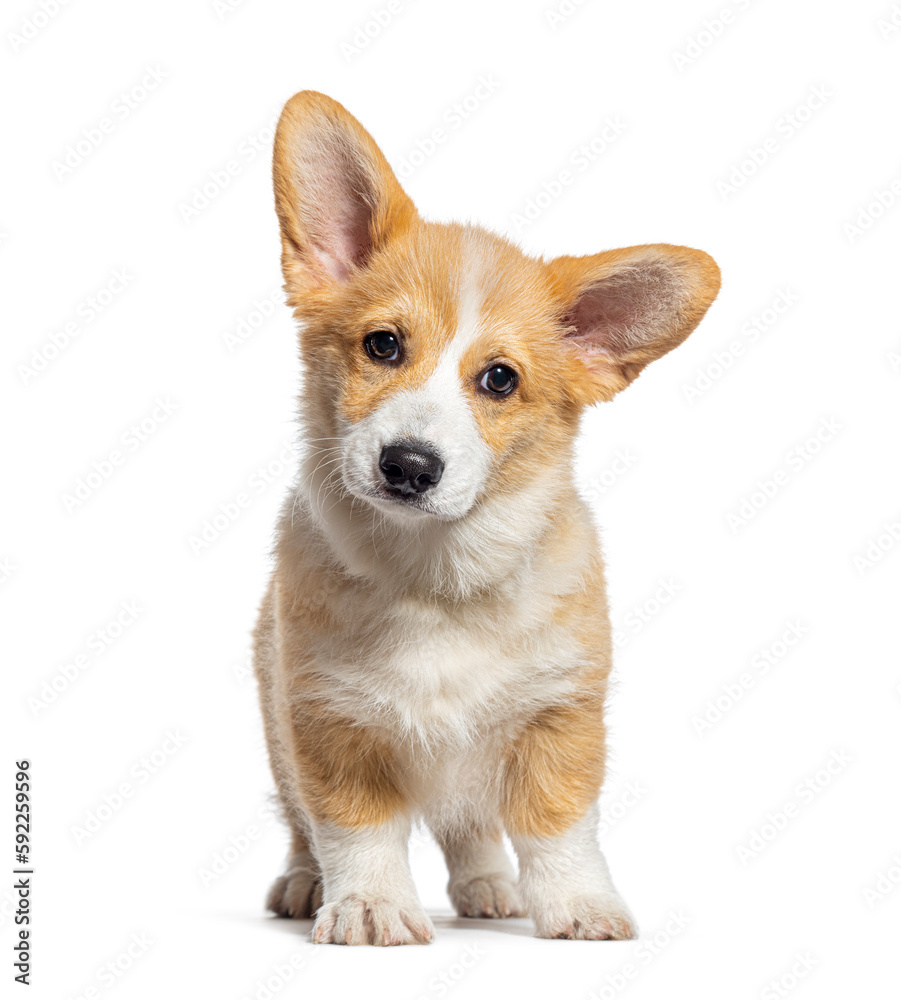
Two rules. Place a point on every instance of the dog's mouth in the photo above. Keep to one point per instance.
(395, 500)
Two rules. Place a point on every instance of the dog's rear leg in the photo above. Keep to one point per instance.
(297, 893)
(482, 881)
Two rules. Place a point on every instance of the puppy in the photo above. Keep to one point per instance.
(435, 640)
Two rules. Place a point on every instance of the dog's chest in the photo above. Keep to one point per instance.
(440, 671)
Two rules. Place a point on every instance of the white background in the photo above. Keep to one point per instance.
(713, 824)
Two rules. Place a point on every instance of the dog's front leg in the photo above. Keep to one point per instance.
(553, 776)
(369, 896)
(352, 791)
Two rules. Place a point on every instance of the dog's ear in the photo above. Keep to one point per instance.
(336, 198)
(622, 309)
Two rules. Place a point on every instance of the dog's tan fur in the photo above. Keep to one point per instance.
(359, 737)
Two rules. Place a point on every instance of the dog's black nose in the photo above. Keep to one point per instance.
(410, 468)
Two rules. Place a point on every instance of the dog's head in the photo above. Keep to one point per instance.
(443, 364)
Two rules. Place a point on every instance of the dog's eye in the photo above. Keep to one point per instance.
(500, 380)
(382, 346)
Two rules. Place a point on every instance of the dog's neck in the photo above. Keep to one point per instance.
(494, 550)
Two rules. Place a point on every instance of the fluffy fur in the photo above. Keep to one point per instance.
(444, 656)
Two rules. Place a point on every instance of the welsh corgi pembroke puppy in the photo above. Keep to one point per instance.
(435, 641)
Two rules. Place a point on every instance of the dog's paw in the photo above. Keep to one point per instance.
(297, 893)
(587, 918)
(487, 896)
(356, 920)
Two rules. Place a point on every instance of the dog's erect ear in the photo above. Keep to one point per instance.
(337, 199)
(622, 309)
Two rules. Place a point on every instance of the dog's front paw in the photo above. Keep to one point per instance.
(586, 918)
(487, 896)
(297, 893)
(357, 920)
